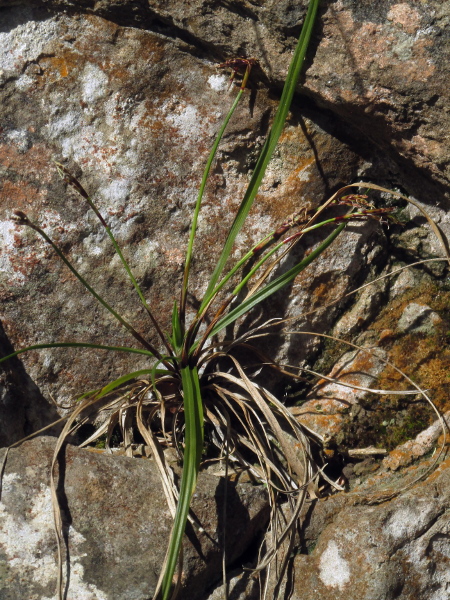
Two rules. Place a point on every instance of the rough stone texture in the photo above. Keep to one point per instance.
(411, 450)
(411, 333)
(418, 318)
(241, 586)
(361, 549)
(134, 113)
(329, 405)
(127, 95)
(117, 524)
(383, 67)
(365, 308)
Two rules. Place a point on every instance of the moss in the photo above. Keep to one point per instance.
(101, 443)
(424, 358)
(331, 353)
(386, 425)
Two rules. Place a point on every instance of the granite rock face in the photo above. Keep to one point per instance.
(382, 66)
(370, 549)
(133, 113)
(128, 96)
(117, 523)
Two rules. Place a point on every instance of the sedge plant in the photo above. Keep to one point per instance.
(195, 393)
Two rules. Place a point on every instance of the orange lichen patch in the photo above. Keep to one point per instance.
(424, 358)
(386, 335)
(293, 184)
(442, 468)
(324, 417)
(25, 264)
(278, 206)
(423, 444)
(400, 457)
(152, 48)
(326, 292)
(97, 31)
(287, 200)
(388, 319)
(291, 135)
(55, 67)
(21, 195)
(17, 194)
(427, 361)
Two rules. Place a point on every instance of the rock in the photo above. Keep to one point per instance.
(329, 405)
(128, 96)
(418, 318)
(414, 449)
(363, 311)
(406, 280)
(381, 68)
(133, 114)
(117, 524)
(241, 586)
(368, 550)
(23, 409)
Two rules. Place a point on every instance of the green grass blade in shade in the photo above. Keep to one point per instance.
(193, 414)
(275, 285)
(177, 334)
(269, 146)
(126, 378)
(198, 205)
(77, 345)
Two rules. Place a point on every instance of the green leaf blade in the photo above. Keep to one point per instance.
(275, 285)
(268, 148)
(193, 411)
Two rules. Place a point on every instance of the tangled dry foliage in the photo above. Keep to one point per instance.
(197, 395)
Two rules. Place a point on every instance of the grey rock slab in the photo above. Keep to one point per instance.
(418, 318)
(117, 524)
(133, 114)
(367, 549)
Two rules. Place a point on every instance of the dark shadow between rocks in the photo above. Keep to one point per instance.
(23, 409)
(66, 516)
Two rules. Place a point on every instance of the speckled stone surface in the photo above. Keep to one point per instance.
(133, 113)
(117, 523)
(370, 549)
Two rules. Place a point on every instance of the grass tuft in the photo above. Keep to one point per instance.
(196, 396)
